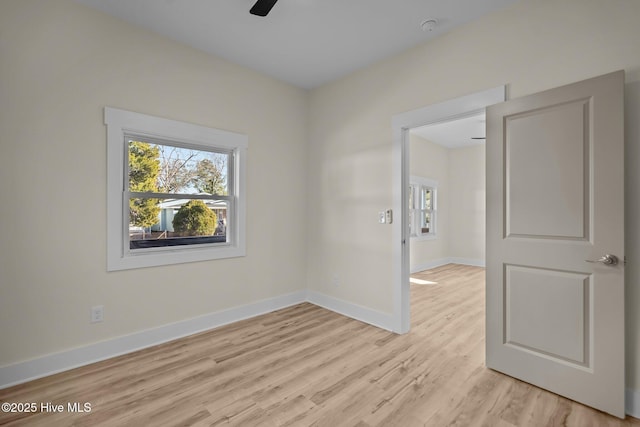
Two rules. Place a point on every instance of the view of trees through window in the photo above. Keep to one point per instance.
(177, 195)
(427, 209)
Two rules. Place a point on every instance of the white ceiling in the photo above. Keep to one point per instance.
(456, 133)
(303, 42)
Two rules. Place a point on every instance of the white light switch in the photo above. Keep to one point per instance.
(382, 218)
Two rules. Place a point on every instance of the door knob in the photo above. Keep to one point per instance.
(607, 259)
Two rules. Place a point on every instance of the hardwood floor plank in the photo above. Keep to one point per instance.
(307, 366)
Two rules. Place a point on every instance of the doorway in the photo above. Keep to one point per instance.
(447, 193)
(458, 108)
(555, 292)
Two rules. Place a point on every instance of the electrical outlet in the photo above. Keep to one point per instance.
(335, 281)
(97, 313)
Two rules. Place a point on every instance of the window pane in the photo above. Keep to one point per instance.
(427, 194)
(171, 222)
(426, 222)
(164, 168)
(411, 201)
(410, 222)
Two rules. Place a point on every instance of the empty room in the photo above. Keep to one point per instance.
(212, 212)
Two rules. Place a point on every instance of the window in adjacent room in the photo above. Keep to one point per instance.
(422, 207)
(175, 191)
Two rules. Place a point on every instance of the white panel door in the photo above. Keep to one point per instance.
(555, 202)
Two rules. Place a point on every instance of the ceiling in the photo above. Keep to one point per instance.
(303, 42)
(455, 133)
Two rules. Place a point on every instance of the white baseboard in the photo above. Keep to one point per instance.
(427, 265)
(468, 261)
(632, 404)
(354, 311)
(21, 372)
(444, 261)
(63, 361)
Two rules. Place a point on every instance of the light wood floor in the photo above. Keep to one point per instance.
(306, 366)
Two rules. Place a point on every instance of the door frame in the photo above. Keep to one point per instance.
(452, 109)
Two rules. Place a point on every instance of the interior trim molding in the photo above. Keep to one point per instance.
(452, 109)
(444, 261)
(632, 404)
(354, 311)
(468, 261)
(54, 363)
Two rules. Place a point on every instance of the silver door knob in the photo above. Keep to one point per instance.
(607, 259)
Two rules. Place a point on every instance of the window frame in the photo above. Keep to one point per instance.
(123, 125)
(417, 186)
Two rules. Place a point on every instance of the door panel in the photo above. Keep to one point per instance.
(540, 300)
(555, 201)
(548, 200)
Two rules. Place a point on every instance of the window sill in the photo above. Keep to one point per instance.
(424, 237)
(153, 257)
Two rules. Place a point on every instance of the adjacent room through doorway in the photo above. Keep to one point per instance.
(447, 193)
(447, 221)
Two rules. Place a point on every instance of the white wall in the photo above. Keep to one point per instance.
(430, 160)
(531, 46)
(632, 243)
(467, 204)
(60, 64)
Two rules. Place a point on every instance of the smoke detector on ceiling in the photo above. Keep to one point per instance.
(428, 25)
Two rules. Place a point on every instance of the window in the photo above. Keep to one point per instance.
(422, 207)
(175, 191)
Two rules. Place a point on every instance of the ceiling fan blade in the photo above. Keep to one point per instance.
(262, 7)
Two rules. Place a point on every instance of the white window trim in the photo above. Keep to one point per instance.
(426, 182)
(121, 122)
